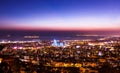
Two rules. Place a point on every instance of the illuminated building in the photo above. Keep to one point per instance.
(57, 43)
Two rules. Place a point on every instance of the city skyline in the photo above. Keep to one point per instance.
(60, 14)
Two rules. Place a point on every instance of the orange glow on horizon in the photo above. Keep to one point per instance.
(60, 29)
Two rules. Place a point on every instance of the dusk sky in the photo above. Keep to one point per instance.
(60, 14)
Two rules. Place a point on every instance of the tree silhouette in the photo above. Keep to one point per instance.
(1, 47)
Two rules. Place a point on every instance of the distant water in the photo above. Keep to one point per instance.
(56, 37)
(50, 35)
(70, 38)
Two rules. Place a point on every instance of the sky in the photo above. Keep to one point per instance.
(60, 14)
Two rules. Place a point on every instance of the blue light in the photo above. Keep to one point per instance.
(58, 44)
(55, 42)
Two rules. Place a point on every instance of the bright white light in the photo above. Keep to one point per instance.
(14, 47)
(20, 47)
(77, 46)
(90, 44)
(100, 53)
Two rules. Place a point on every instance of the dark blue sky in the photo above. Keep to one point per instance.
(60, 14)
